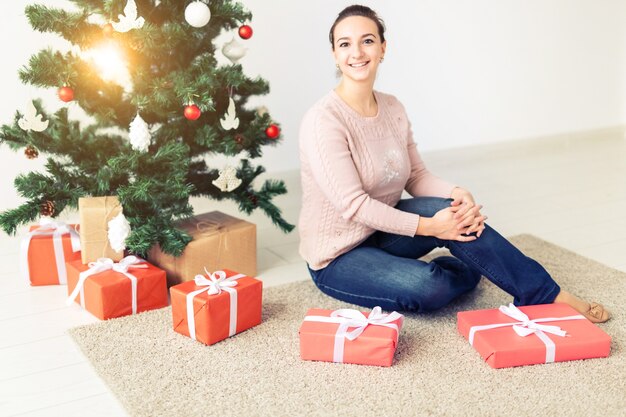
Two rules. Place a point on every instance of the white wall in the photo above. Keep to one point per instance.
(468, 71)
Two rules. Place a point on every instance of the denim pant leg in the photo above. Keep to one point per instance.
(385, 271)
(490, 255)
(369, 276)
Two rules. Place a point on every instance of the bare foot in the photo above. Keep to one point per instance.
(595, 312)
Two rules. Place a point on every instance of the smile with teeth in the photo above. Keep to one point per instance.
(359, 65)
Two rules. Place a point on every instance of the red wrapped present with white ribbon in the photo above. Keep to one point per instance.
(216, 306)
(44, 251)
(109, 289)
(350, 336)
(514, 336)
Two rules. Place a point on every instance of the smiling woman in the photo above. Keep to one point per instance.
(362, 243)
(358, 46)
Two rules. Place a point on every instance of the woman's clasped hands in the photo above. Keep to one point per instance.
(462, 221)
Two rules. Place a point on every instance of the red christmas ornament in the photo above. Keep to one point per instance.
(107, 29)
(66, 93)
(192, 112)
(272, 131)
(245, 32)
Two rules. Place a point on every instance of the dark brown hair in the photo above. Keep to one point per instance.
(357, 10)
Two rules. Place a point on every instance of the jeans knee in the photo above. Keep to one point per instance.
(449, 279)
(424, 206)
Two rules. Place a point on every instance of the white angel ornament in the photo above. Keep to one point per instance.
(230, 120)
(31, 120)
(129, 20)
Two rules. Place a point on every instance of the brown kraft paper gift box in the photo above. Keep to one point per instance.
(95, 214)
(219, 242)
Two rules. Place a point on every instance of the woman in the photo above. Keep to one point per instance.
(360, 240)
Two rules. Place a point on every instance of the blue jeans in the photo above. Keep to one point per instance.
(385, 271)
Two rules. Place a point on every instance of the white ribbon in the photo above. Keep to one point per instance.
(216, 283)
(105, 264)
(347, 318)
(524, 327)
(49, 227)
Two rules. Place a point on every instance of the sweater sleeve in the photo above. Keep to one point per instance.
(324, 142)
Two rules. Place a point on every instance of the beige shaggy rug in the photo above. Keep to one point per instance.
(157, 372)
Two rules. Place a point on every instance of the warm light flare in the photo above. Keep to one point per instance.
(110, 62)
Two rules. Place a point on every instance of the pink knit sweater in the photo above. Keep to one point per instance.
(354, 169)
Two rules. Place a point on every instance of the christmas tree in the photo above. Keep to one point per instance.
(153, 120)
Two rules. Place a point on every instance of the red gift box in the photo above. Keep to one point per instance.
(44, 251)
(213, 309)
(545, 333)
(349, 336)
(108, 289)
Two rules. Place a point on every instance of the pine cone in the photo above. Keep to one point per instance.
(31, 152)
(253, 199)
(47, 208)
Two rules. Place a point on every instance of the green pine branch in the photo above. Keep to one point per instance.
(71, 26)
(26, 213)
(170, 64)
(245, 195)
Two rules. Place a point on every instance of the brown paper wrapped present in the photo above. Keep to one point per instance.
(95, 214)
(219, 242)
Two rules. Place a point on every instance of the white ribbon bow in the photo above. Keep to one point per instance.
(525, 326)
(355, 318)
(217, 281)
(347, 318)
(56, 229)
(105, 264)
(215, 284)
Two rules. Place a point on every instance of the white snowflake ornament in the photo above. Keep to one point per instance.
(31, 120)
(139, 134)
(230, 120)
(129, 20)
(227, 181)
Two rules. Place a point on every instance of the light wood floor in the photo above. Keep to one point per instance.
(569, 190)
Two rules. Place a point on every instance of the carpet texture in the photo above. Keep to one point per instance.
(157, 372)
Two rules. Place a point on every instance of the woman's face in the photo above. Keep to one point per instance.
(358, 48)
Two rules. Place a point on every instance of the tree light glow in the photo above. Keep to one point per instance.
(110, 62)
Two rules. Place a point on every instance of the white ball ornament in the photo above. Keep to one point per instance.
(197, 14)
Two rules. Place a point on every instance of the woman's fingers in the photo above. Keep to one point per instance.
(478, 226)
(463, 210)
(479, 222)
(470, 218)
(465, 238)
